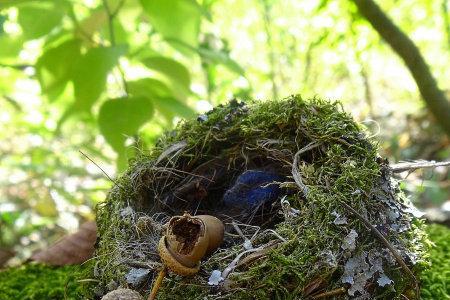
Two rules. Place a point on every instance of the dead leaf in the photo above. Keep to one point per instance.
(72, 249)
(5, 255)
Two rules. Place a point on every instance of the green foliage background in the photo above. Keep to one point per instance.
(107, 77)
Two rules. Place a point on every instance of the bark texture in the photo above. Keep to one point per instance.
(434, 98)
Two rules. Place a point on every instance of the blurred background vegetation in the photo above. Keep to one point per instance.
(107, 77)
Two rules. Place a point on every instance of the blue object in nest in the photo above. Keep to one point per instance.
(253, 189)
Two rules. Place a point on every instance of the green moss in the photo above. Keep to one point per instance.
(342, 167)
(43, 282)
(436, 279)
(37, 282)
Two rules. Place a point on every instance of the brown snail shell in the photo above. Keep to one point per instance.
(187, 240)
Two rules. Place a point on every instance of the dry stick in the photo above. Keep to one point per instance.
(387, 244)
(295, 170)
(157, 283)
(407, 166)
(334, 292)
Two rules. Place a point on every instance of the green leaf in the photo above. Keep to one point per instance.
(90, 73)
(91, 25)
(176, 73)
(149, 87)
(212, 56)
(171, 107)
(10, 46)
(175, 18)
(223, 58)
(39, 18)
(161, 96)
(55, 66)
(120, 118)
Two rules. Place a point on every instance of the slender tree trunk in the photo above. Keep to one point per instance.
(434, 98)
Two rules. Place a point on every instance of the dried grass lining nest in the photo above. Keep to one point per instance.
(325, 220)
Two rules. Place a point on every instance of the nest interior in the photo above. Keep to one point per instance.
(302, 192)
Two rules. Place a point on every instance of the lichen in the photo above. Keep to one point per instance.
(325, 160)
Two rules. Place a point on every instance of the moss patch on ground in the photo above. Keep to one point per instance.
(37, 282)
(436, 279)
(327, 161)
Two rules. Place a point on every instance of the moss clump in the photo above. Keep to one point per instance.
(436, 279)
(325, 160)
(43, 282)
(37, 282)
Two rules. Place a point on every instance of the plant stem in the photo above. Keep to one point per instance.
(112, 36)
(162, 273)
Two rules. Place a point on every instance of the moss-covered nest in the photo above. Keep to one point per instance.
(328, 218)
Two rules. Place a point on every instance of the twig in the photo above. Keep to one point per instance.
(414, 165)
(295, 171)
(20, 67)
(157, 283)
(387, 244)
(334, 292)
(235, 261)
(103, 171)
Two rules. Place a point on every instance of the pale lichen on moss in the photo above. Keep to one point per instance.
(341, 165)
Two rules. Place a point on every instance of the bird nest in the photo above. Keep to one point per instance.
(310, 209)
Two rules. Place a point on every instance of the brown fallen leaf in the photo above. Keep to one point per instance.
(72, 249)
(5, 255)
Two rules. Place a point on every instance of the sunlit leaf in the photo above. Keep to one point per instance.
(39, 18)
(10, 46)
(218, 57)
(175, 18)
(171, 107)
(90, 73)
(91, 24)
(211, 56)
(176, 73)
(161, 96)
(55, 66)
(121, 118)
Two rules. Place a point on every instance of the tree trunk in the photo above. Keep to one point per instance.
(434, 98)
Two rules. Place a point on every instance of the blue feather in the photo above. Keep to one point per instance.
(250, 190)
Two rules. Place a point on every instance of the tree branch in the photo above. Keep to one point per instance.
(434, 98)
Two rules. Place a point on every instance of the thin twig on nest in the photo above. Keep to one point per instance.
(387, 244)
(419, 164)
(295, 171)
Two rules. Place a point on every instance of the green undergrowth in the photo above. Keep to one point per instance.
(327, 161)
(38, 282)
(436, 280)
